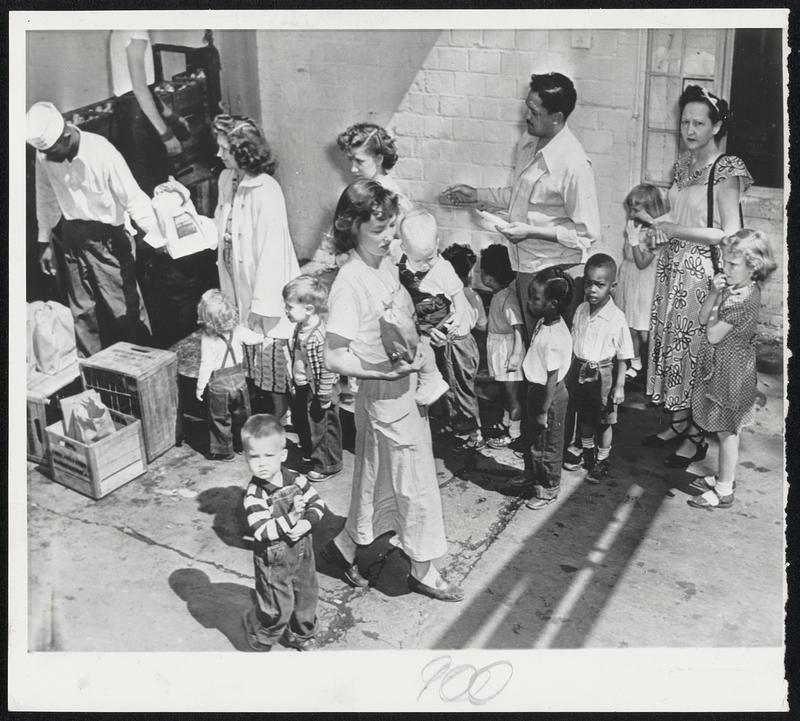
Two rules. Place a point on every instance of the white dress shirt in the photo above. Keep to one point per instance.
(553, 188)
(96, 185)
(602, 335)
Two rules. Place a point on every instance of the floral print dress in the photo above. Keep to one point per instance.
(683, 273)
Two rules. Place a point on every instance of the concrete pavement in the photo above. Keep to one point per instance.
(161, 563)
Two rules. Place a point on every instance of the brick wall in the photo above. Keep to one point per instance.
(313, 85)
(464, 112)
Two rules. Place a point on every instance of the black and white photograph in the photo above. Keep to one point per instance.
(441, 353)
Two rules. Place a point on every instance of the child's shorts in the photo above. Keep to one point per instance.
(594, 398)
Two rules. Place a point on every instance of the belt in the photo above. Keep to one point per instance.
(590, 370)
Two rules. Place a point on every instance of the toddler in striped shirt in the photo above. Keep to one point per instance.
(281, 508)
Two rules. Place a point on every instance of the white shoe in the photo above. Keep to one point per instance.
(429, 393)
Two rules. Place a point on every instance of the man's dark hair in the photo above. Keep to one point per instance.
(556, 91)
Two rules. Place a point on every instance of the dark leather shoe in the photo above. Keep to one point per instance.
(673, 460)
(331, 553)
(450, 592)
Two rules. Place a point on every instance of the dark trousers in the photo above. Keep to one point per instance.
(458, 363)
(139, 143)
(286, 592)
(543, 461)
(228, 409)
(319, 429)
(97, 265)
(524, 281)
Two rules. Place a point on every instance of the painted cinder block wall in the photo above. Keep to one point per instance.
(454, 99)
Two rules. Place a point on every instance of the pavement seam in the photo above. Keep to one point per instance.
(145, 539)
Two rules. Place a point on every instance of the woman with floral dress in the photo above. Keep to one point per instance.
(685, 268)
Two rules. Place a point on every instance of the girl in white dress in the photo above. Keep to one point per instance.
(636, 278)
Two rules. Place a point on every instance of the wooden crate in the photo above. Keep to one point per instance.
(140, 382)
(44, 391)
(96, 469)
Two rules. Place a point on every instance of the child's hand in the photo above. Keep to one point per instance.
(402, 368)
(199, 394)
(619, 395)
(299, 504)
(718, 283)
(298, 530)
(540, 420)
(438, 338)
(514, 363)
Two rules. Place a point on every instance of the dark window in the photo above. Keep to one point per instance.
(756, 133)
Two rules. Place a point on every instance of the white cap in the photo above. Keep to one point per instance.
(44, 125)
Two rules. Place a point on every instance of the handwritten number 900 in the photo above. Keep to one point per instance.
(464, 680)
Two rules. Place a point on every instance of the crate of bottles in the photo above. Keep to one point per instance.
(140, 382)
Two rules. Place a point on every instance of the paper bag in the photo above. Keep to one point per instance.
(51, 337)
(398, 330)
(86, 418)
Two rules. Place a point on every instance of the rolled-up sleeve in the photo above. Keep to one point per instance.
(497, 198)
(580, 204)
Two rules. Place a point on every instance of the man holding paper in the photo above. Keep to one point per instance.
(552, 202)
(82, 179)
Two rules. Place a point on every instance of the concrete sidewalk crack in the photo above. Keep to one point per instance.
(145, 539)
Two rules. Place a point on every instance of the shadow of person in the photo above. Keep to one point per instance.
(214, 605)
(230, 524)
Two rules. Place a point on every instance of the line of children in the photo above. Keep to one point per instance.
(282, 507)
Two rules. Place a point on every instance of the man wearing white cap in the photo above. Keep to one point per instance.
(83, 179)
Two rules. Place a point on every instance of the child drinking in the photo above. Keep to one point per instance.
(637, 272)
(437, 293)
(724, 393)
(505, 346)
(601, 343)
(281, 509)
(315, 415)
(545, 367)
(221, 353)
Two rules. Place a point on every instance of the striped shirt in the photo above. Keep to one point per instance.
(268, 506)
(310, 351)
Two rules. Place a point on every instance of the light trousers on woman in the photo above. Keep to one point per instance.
(394, 479)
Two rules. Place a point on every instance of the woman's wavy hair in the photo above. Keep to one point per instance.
(558, 287)
(718, 110)
(754, 247)
(216, 313)
(373, 138)
(249, 147)
(360, 201)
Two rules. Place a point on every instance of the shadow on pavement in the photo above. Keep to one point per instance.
(214, 605)
(554, 588)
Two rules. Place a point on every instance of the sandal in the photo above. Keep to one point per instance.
(710, 500)
(709, 483)
(471, 444)
(501, 441)
(673, 460)
(656, 441)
